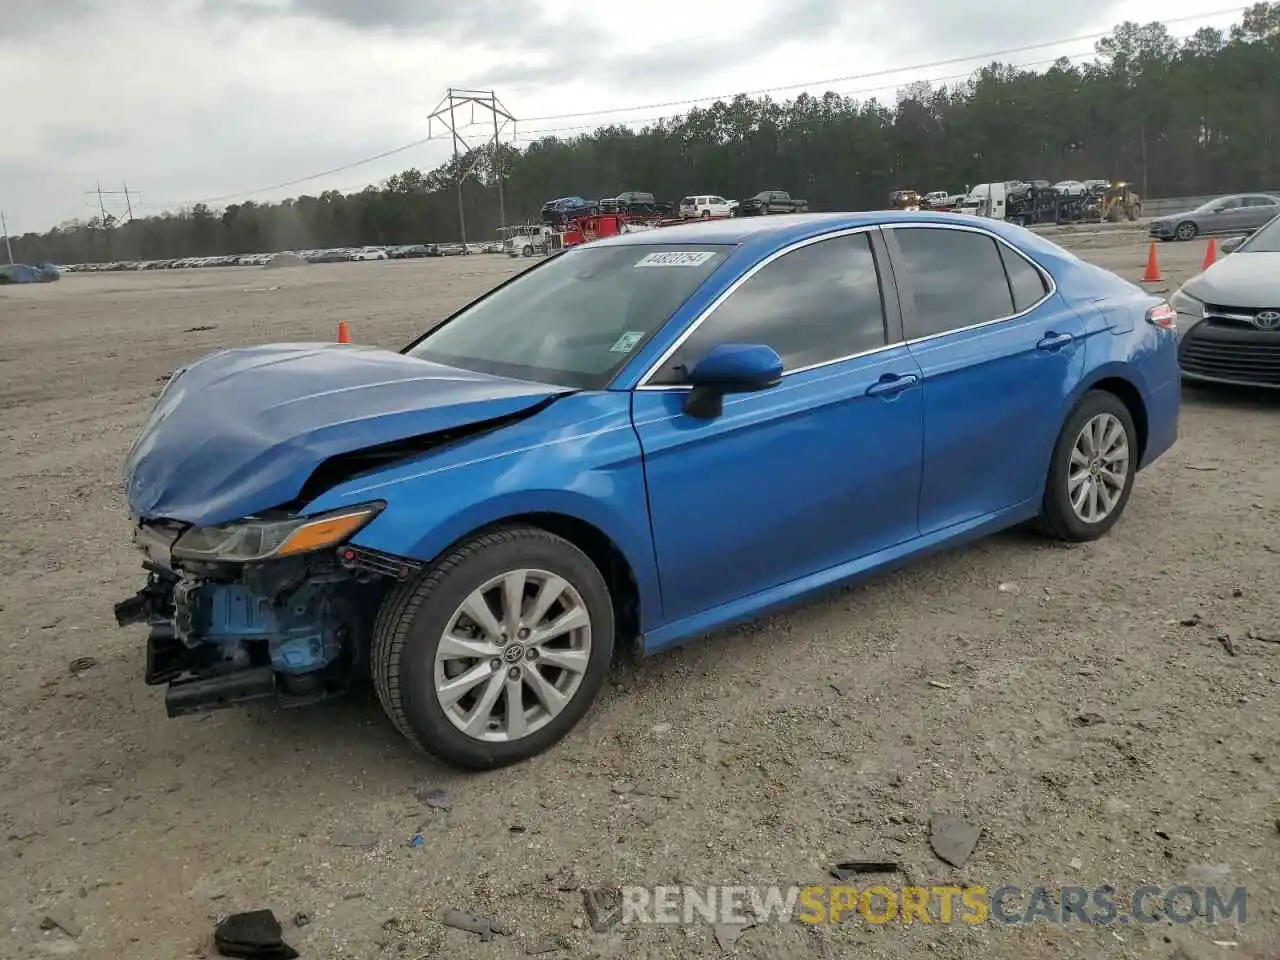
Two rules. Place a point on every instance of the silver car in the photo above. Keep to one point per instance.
(1229, 316)
(1238, 213)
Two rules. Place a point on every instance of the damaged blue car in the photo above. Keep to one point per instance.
(639, 440)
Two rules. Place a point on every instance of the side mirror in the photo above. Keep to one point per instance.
(1231, 244)
(730, 368)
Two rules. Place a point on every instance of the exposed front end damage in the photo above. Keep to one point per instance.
(287, 627)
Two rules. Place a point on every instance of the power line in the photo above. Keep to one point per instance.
(528, 136)
(613, 111)
(876, 73)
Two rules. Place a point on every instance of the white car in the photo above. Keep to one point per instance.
(706, 207)
(369, 253)
(1070, 188)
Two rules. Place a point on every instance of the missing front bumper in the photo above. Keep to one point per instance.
(194, 687)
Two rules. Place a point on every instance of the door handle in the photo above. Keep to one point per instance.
(1054, 341)
(891, 384)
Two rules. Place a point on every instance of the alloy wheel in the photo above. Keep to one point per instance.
(1099, 468)
(513, 655)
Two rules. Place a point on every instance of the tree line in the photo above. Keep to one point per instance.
(1174, 117)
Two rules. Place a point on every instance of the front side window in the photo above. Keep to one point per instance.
(576, 319)
(813, 305)
(955, 278)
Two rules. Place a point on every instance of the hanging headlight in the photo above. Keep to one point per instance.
(252, 541)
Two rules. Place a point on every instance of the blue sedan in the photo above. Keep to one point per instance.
(640, 440)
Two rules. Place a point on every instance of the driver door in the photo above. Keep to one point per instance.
(818, 471)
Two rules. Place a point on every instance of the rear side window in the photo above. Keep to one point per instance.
(1026, 282)
(956, 279)
(816, 304)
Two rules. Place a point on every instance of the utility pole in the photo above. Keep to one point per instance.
(4, 227)
(127, 202)
(446, 112)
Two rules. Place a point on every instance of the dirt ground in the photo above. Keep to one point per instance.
(1050, 695)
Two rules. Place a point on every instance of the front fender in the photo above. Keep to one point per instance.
(579, 458)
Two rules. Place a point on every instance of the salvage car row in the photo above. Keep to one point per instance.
(327, 255)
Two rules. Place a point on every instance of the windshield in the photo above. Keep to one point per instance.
(1266, 240)
(575, 319)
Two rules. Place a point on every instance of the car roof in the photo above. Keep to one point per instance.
(787, 228)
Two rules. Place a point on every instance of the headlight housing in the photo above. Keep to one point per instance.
(253, 541)
(1190, 311)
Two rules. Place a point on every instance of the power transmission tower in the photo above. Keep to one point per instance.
(4, 228)
(447, 113)
(109, 219)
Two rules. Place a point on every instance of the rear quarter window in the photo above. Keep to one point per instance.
(1025, 281)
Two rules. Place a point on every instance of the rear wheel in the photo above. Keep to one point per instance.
(1092, 471)
(497, 651)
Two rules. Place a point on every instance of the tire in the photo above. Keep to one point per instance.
(1058, 518)
(410, 628)
(527, 252)
(1186, 230)
(706, 214)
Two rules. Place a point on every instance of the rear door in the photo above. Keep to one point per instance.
(999, 351)
(818, 471)
(1258, 211)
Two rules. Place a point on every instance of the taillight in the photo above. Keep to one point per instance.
(1163, 316)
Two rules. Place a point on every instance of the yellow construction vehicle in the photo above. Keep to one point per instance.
(904, 200)
(1119, 200)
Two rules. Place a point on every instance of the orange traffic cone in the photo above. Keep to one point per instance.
(1210, 254)
(1153, 269)
(343, 335)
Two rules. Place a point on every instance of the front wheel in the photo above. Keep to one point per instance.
(1186, 230)
(1092, 471)
(495, 653)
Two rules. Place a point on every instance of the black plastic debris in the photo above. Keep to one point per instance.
(434, 797)
(847, 869)
(1088, 720)
(952, 839)
(484, 926)
(255, 935)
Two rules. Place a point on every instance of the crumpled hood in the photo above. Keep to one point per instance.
(1249, 280)
(240, 431)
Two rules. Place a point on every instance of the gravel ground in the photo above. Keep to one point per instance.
(1050, 695)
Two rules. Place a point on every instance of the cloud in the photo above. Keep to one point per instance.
(496, 23)
(23, 20)
(917, 30)
(196, 99)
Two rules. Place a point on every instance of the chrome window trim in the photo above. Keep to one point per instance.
(800, 244)
(967, 228)
(711, 308)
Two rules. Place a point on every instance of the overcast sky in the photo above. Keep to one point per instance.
(189, 100)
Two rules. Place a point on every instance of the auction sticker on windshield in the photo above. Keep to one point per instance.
(627, 342)
(676, 258)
